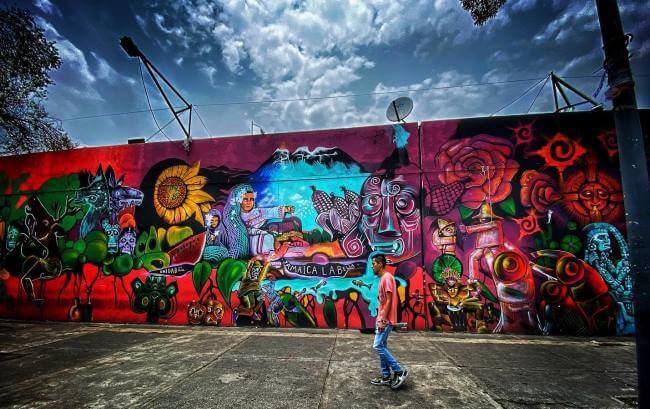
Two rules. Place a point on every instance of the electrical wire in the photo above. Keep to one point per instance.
(149, 104)
(538, 92)
(478, 84)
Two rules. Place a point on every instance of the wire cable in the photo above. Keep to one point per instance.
(518, 98)
(366, 94)
(160, 130)
(201, 120)
(149, 102)
(538, 92)
(477, 84)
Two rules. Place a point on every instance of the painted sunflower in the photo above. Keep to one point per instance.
(177, 194)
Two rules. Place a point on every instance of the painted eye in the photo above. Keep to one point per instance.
(587, 194)
(371, 204)
(603, 194)
(405, 204)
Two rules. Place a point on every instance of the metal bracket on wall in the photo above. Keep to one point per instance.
(132, 50)
(559, 86)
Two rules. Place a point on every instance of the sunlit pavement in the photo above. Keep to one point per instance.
(102, 365)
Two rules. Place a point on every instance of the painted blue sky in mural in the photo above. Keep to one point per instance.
(228, 52)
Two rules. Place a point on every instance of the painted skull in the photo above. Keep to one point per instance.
(12, 237)
(256, 270)
(389, 215)
(600, 242)
(113, 232)
(213, 312)
(195, 313)
(127, 241)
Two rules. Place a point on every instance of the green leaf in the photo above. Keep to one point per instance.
(302, 318)
(229, 272)
(508, 206)
(329, 312)
(465, 212)
(200, 275)
(488, 294)
(571, 243)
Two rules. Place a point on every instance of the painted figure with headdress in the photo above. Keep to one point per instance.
(489, 239)
(444, 236)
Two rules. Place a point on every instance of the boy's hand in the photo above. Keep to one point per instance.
(381, 325)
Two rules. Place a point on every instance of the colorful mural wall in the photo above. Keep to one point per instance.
(512, 224)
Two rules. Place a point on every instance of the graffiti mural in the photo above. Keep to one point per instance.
(489, 225)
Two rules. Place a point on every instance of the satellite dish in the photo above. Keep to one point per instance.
(399, 109)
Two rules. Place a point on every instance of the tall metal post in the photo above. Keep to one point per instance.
(634, 176)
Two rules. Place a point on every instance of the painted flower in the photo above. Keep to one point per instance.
(609, 142)
(483, 163)
(538, 191)
(561, 152)
(528, 225)
(177, 194)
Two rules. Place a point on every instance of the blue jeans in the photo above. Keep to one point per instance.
(386, 360)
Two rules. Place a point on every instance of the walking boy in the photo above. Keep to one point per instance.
(386, 319)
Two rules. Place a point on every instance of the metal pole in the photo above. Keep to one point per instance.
(634, 176)
(148, 66)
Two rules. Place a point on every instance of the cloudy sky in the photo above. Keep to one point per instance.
(233, 58)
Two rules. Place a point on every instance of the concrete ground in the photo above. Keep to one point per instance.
(65, 365)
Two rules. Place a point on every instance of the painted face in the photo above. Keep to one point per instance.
(601, 243)
(127, 241)
(248, 202)
(214, 222)
(113, 232)
(390, 216)
(195, 313)
(12, 237)
(255, 271)
(448, 231)
(218, 311)
(594, 196)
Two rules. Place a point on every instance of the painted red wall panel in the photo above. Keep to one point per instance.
(510, 224)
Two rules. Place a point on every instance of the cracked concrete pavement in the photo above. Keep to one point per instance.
(69, 365)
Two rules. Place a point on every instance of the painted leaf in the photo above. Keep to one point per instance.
(329, 312)
(508, 206)
(200, 275)
(302, 318)
(229, 272)
(488, 294)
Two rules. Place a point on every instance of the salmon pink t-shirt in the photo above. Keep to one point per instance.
(387, 285)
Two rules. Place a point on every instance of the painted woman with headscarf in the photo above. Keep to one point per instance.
(261, 241)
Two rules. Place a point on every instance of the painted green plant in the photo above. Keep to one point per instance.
(229, 272)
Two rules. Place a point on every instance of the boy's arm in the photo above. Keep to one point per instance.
(385, 313)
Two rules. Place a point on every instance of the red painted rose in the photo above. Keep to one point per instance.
(483, 162)
(538, 190)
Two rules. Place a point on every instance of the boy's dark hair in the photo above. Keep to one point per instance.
(381, 258)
